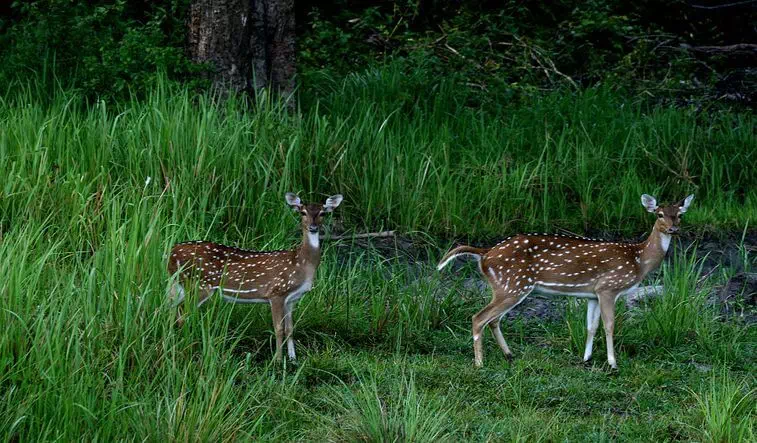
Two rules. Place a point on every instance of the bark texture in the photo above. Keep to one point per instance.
(250, 44)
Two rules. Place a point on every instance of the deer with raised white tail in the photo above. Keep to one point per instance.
(598, 270)
(278, 278)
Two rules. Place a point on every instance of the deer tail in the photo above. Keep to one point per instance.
(461, 250)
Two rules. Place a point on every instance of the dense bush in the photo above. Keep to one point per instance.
(101, 47)
(504, 47)
(496, 49)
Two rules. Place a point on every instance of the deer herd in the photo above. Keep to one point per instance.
(597, 270)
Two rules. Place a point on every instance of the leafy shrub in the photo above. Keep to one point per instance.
(496, 49)
(103, 48)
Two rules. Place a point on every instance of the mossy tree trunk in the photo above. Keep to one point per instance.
(249, 44)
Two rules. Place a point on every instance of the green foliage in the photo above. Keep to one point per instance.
(489, 50)
(497, 49)
(93, 196)
(103, 48)
(673, 317)
(576, 161)
(405, 414)
(728, 409)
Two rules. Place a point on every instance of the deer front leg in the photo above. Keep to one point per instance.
(592, 322)
(607, 311)
(289, 330)
(277, 314)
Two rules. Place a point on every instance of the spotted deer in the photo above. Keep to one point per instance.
(278, 278)
(598, 270)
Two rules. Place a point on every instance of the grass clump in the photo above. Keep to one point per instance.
(726, 410)
(403, 414)
(675, 316)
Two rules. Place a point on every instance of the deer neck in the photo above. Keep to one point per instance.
(653, 250)
(309, 252)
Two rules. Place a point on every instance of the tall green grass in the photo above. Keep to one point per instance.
(675, 316)
(403, 415)
(92, 196)
(727, 410)
(577, 161)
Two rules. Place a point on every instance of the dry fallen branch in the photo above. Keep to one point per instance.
(737, 50)
(381, 234)
(454, 51)
(642, 293)
(724, 5)
(543, 62)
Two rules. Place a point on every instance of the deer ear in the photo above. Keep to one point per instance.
(649, 202)
(293, 200)
(684, 206)
(332, 202)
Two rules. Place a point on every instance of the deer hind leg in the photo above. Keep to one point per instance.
(501, 304)
(497, 332)
(289, 330)
(592, 322)
(277, 314)
(176, 293)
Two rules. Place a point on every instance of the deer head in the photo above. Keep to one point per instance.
(668, 217)
(311, 214)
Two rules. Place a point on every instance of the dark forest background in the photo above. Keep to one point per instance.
(688, 52)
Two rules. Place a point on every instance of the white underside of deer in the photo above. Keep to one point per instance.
(597, 270)
(279, 278)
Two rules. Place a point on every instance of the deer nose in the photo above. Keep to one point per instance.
(673, 230)
(313, 228)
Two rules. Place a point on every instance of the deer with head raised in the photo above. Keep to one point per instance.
(598, 270)
(278, 278)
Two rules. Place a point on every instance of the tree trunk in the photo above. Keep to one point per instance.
(249, 44)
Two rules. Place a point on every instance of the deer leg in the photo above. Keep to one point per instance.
(592, 322)
(607, 311)
(497, 332)
(289, 330)
(176, 294)
(502, 303)
(205, 294)
(479, 322)
(277, 314)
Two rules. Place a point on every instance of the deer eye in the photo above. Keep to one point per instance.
(660, 216)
